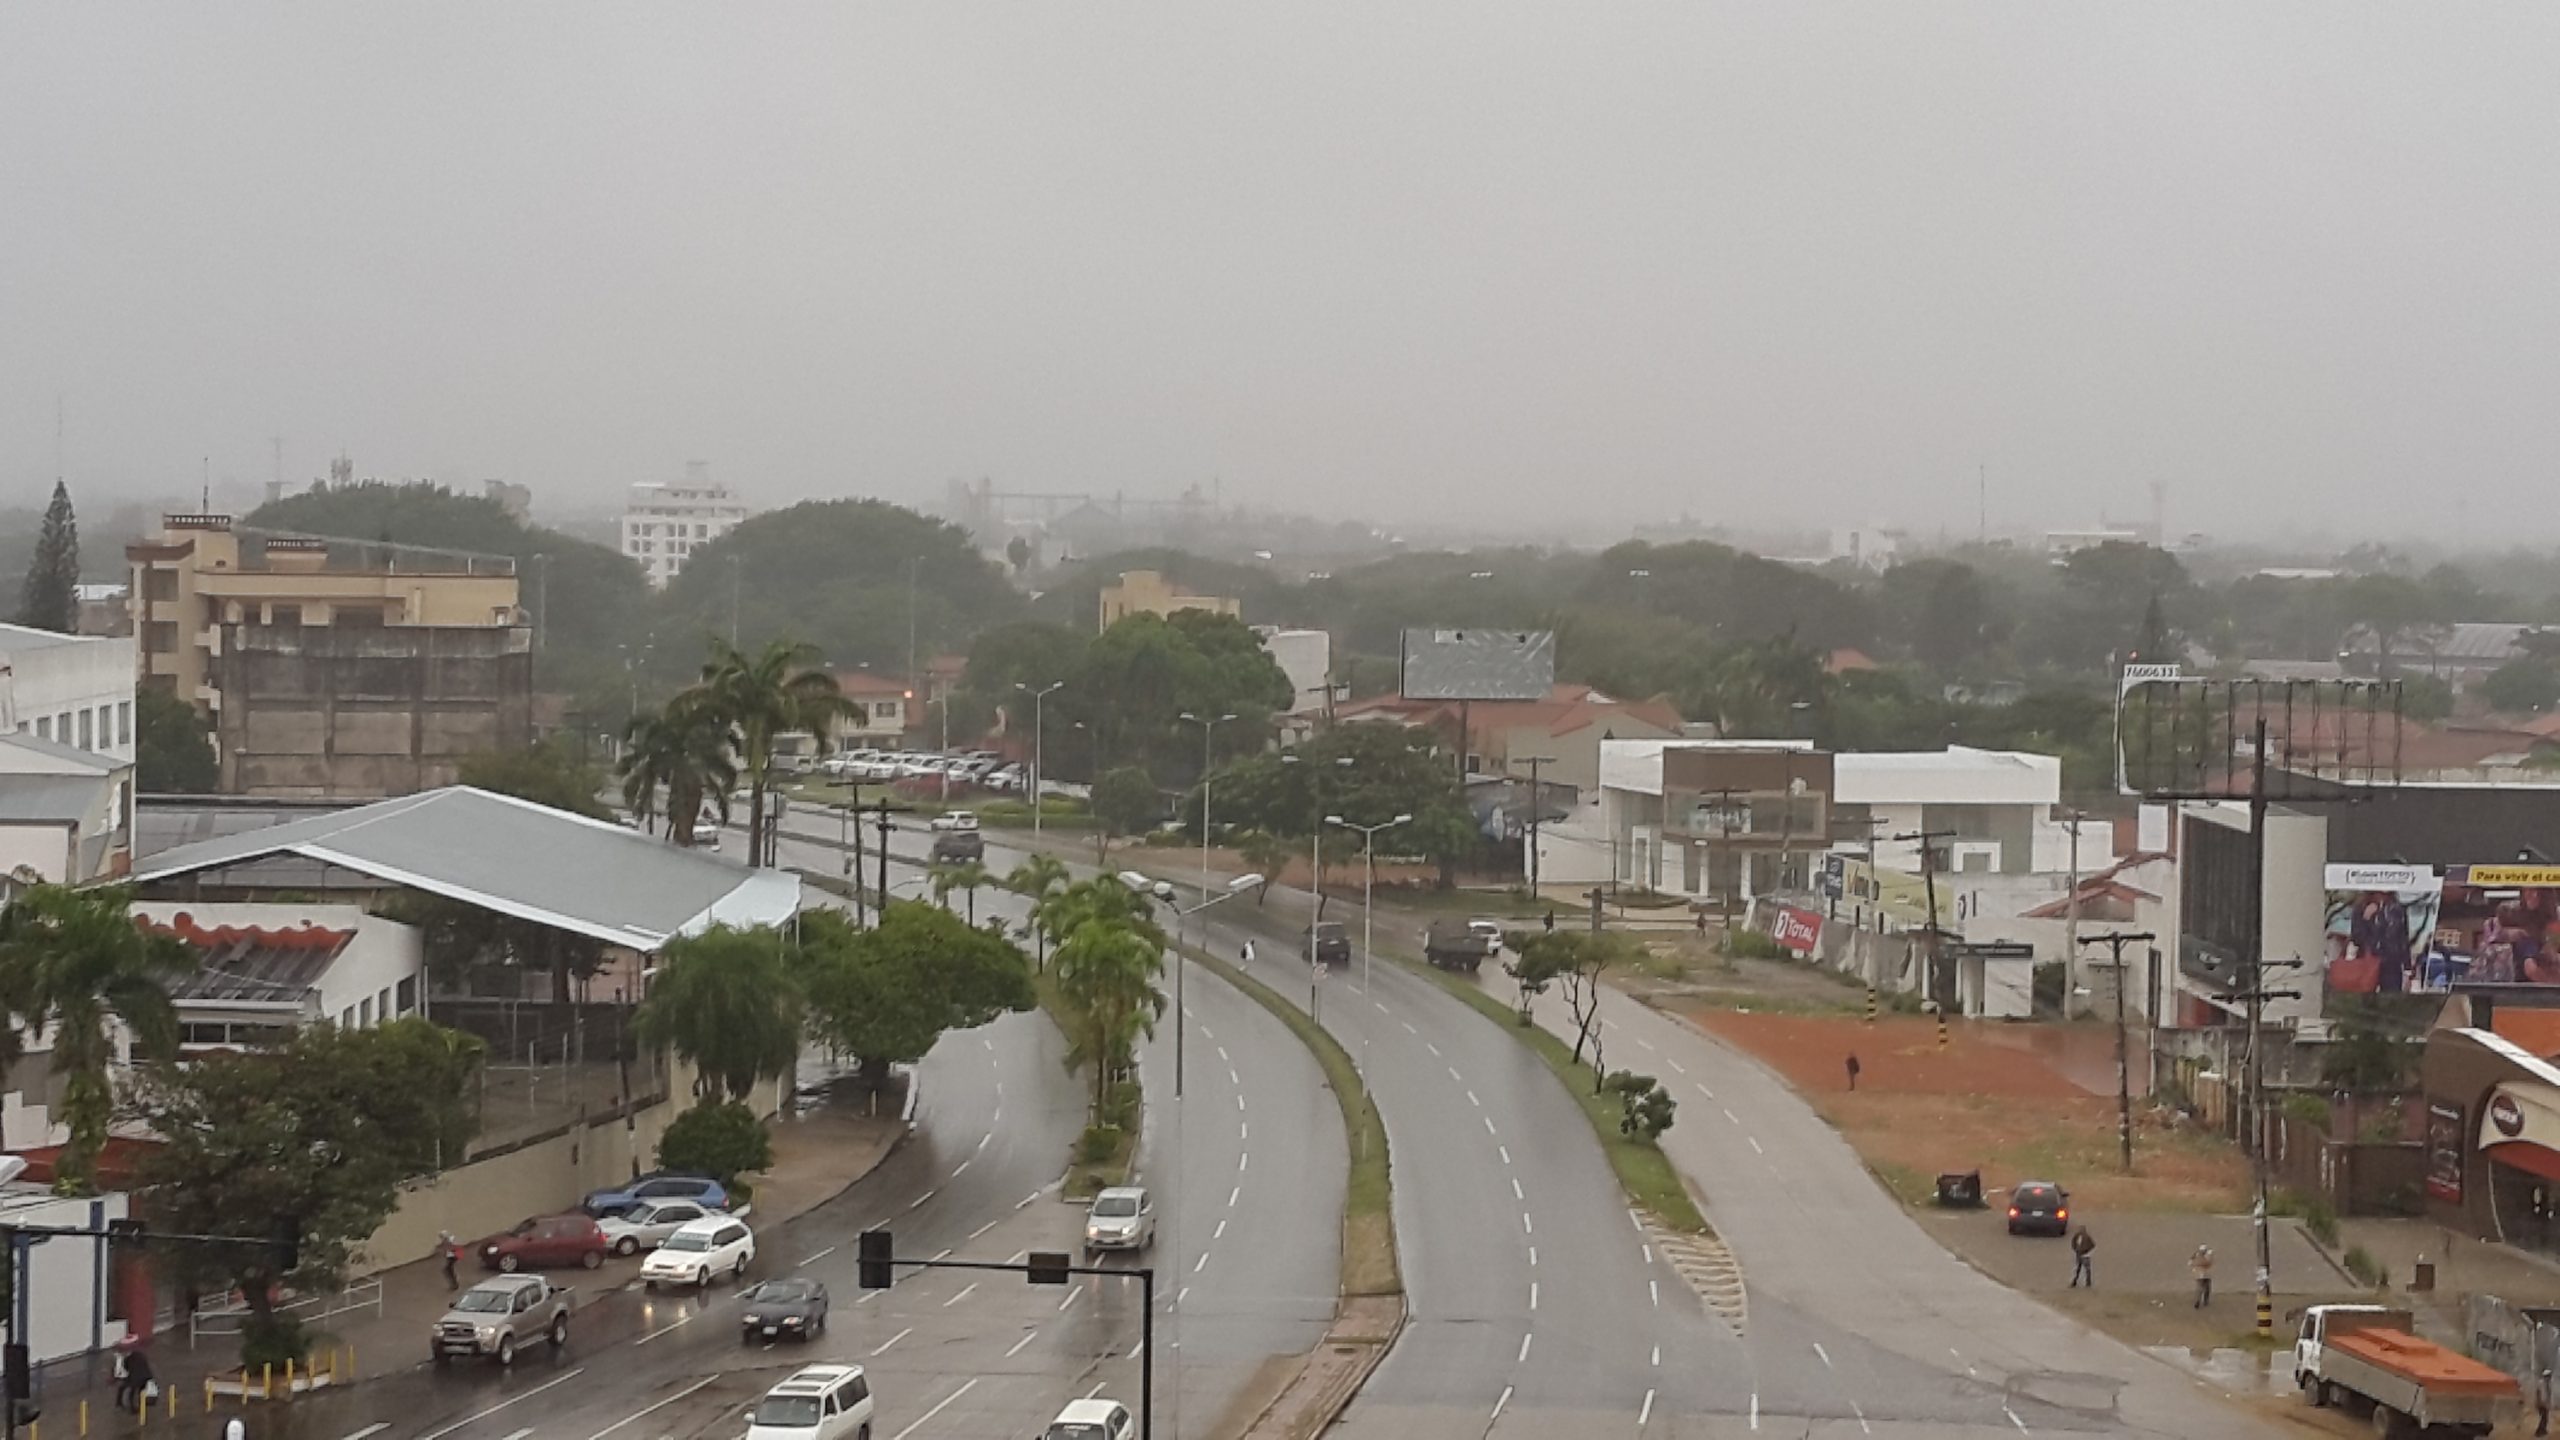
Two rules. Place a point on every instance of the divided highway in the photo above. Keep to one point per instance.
(1249, 1182)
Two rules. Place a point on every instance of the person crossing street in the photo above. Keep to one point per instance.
(2083, 1245)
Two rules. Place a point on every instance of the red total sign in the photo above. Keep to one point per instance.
(1796, 928)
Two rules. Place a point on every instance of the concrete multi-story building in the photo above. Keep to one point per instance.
(663, 525)
(333, 667)
(76, 690)
(1146, 592)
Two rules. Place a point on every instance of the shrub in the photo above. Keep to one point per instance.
(1098, 1143)
(1752, 945)
(722, 1141)
(1646, 1108)
(2310, 1110)
(274, 1340)
(2321, 1219)
(2360, 1264)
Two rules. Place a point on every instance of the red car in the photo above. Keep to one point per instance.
(544, 1240)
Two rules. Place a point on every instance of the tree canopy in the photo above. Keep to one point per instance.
(886, 994)
(51, 597)
(547, 772)
(728, 1001)
(172, 752)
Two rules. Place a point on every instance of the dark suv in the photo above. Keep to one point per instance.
(1330, 943)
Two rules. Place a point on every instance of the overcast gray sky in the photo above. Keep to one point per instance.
(1777, 261)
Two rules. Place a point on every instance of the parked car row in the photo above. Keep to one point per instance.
(977, 769)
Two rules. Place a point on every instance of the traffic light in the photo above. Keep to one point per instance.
(1047, 1267)
(872, 1260)
(288, 1244)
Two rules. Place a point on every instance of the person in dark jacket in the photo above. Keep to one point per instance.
(2083, 1245)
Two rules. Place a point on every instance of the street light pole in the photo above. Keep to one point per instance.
(1039, 770)
(1208, 730)
(1368, 911)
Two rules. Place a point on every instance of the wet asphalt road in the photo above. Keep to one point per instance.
(1248, 1177)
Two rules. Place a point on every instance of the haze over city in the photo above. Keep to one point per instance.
(1533, 266)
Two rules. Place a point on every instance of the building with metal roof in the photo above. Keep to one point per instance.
(528, 861)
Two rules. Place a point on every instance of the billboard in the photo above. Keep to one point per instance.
(1796, 928)
(1472, 664)
(2406, 928)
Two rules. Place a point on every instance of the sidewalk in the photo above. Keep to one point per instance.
(817, 1155)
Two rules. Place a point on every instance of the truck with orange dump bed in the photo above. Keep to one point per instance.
(2364, 1356)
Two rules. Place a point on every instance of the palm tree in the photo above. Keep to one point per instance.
(968, 877)
(682, 750)
(1036, 879)
(762, 696)
(729, 1001)
(1108, 974)
(70, 961)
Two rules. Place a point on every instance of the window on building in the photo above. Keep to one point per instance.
(364, 1011)
(382, 1003)
(347, 1018)
(44, 727)
(408, 994)
(88, 736)
(124, 722)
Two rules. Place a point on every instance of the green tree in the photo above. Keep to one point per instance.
(546, 773)
(968, 877)
(2396, 612)
(75, 966)
(723, 1140)
(1648, 1108)
(728, 1001)
(1038, 877)
(1268, 855)
(2519, 686)
(1125, 802)
(172, 754)
(762, 696)
(681, 753)
(1940, 611)
(1108, 974)
(318, 1132)
(885, 995)
(51, 599)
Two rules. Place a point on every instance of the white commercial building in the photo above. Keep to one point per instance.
(75, 1301)
(66, 814)
(663, 525)
(1990, 810)
(75, 690)
(1306, 657)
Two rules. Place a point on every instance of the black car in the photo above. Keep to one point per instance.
(1329, 943)
(2039, 1207)
(786, 1309)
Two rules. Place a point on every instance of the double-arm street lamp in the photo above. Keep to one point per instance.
(1037, 731)
(1315, 860)
(1368, 893)
(1182, 914)
(1208, 732)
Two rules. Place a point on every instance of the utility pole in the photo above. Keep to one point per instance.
(2115, 941)
(1537, 808)
(1929, 884)
(880, 821)
(2071, 927)
(2256, 997)
(1724, 796)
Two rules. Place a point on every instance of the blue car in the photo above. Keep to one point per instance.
(657, 1185)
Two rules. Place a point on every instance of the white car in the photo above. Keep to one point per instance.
(821, 1402)
(698, 1250)
(1490, 932)
(1122, 1218)
(646, 1226)
(955, 820)
(1092, 1420)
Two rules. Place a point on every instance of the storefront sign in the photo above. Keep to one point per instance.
(1796, 928)
(2503, 877)
(2506, 1116)
(2444, 1151)
(2395, 878)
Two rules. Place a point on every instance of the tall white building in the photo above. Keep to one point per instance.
(663, 524)
(74, 690)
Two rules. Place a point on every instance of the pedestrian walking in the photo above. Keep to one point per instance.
(124, 1382)
(1248, 952)
(1853, 1068)
(451, 1250)
(138, 1388)
(1551, 919)
(2542, 1403)
(2200, 1266)
(1701, 918)
(2083, 1245)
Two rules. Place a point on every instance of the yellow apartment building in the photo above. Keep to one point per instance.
(1147, 592)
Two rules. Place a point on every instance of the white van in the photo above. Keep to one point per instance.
(822, 1402)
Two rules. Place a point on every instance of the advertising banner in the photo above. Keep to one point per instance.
(1796, 928)
(2381, 930)
(2444, 1151)
(2500, 924)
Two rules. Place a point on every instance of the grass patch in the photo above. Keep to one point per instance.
(1904, 1183)
(1644, 1172)
(1368, 1201)
(1107, 1149)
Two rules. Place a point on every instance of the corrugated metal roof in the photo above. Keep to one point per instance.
(55, 750)
(165, 822)
(517, 858)
(1477, 664)
(238, 963)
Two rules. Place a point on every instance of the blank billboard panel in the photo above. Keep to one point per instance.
(1478, 664)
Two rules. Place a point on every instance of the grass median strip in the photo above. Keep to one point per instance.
(1644, 1172)
(1368, 1208)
